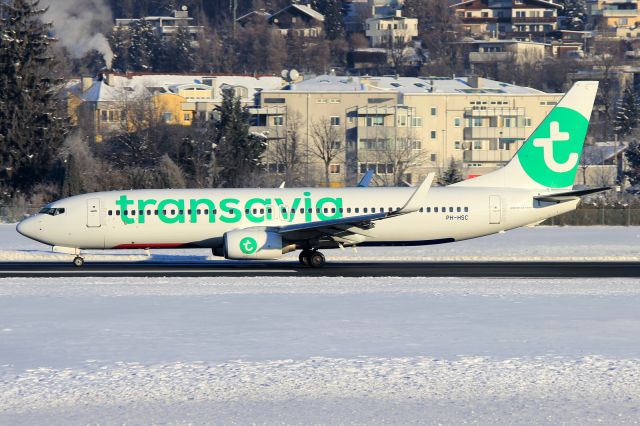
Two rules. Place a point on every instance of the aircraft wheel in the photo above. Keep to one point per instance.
(316, 259)
(304, 257)
(78, 261)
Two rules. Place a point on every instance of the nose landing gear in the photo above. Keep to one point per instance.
(78, 261)
(312, 258)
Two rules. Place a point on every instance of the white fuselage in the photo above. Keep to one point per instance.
(97, 221)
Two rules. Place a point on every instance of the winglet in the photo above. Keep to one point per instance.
(282, 184)
(366, 179)
(417, 198)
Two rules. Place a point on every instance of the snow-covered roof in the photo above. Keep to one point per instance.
(121, 86)
(600, 152)
(412, 85)
(307, 10)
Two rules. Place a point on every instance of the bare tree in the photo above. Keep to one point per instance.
(326, 143)
(400, 155)
(286, 150)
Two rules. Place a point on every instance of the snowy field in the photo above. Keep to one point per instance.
(327, 351)
(545, 243)
(314, 351)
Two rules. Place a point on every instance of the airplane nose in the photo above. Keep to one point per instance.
(28, 227)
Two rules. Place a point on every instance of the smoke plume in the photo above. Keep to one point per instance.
(79, 26)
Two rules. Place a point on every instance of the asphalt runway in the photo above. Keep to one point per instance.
(337, 269)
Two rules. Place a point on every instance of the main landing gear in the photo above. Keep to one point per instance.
(78, 261)
(312, 258)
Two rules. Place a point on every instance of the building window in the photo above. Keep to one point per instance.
(278, 120)
(402, 121)
(456, 121)
(416, 121)
(434, 111)
(334, 169)
(335, 121)
(167, 117)
(477, 145)
(375, 120)
(508, 122)
(433, 134)
(187, 116)
(457, 145)
(527, 122)
(434, 158)
(274, 101)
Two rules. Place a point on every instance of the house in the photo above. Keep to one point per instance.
(614, 13)
(114, 103)
(494, 51)
(299, 18)
(519, 19)
(601, 163)
(166, 26)
(391, 31)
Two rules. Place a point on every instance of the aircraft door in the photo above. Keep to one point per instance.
(93, 213)
(495, 209)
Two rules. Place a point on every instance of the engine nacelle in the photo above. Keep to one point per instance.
(252, 244)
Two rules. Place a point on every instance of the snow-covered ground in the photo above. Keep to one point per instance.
(319, 351)
(578, 243)
(327, 350)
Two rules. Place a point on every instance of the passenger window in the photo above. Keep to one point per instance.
(148, 212)
(255, 211)
(317, 210)
(348, 209)
(110, 213)
(269, 211)
(444, 209)
(333, 210)
(458, 209)
(126, 212)
(301, 210)
(246, 211)
(340, 209)
(435, 209)
(117, 212)
(181, 212)
(140, 212)
(164, 212)
(428, 209)
(284, 210)
(421, 209)
(365, 210)
(173, 212)
(373, 209)
(466, 209)
(326, 210)
(450, 209)
(261, 211)
(206, 211)
(357, 209)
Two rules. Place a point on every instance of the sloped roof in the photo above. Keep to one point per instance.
(307, 10)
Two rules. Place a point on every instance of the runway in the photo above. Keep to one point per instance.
(337, 269)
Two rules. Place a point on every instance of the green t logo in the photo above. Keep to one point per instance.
(248, 245)
(552, 153)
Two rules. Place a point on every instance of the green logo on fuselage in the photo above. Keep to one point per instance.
(552, 153)
(248, 245)
(229, 210)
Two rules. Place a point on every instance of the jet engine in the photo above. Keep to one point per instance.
(252, 244)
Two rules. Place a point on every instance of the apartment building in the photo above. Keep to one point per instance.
(403, 127)
(166, 26)
(614, 13)
(519, 19)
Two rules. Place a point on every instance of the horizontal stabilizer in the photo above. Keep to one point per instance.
(570, 195)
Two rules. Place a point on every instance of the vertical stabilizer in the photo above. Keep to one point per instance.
(551, 155)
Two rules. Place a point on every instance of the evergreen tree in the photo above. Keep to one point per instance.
(627, 113)
(119, 41)
(238, 153)
(451, 174)
(333, 20)
(575, 13)
(144, 47)
(632, 154)
(180, 52)
(31, 126)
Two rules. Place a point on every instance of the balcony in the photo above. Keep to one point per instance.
(533, 19)
(496, 132)
(490, 57)
(615, 13)
(493, 112)
(479, 19)
(494, 156)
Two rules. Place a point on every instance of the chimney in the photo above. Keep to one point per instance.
(473, 81)
(85, 83)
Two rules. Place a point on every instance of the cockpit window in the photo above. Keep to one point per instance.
(52, 211)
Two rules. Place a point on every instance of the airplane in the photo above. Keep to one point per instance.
(266, 223)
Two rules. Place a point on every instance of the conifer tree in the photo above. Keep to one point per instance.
(627, 113)
(575, 13)
(72, 180)
(180, 52)
(632, 154)
(451, 174)
(333, 20)
(32, 128)
(238, 153)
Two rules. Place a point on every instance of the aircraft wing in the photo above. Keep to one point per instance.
(357, 224)
(570, 195)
